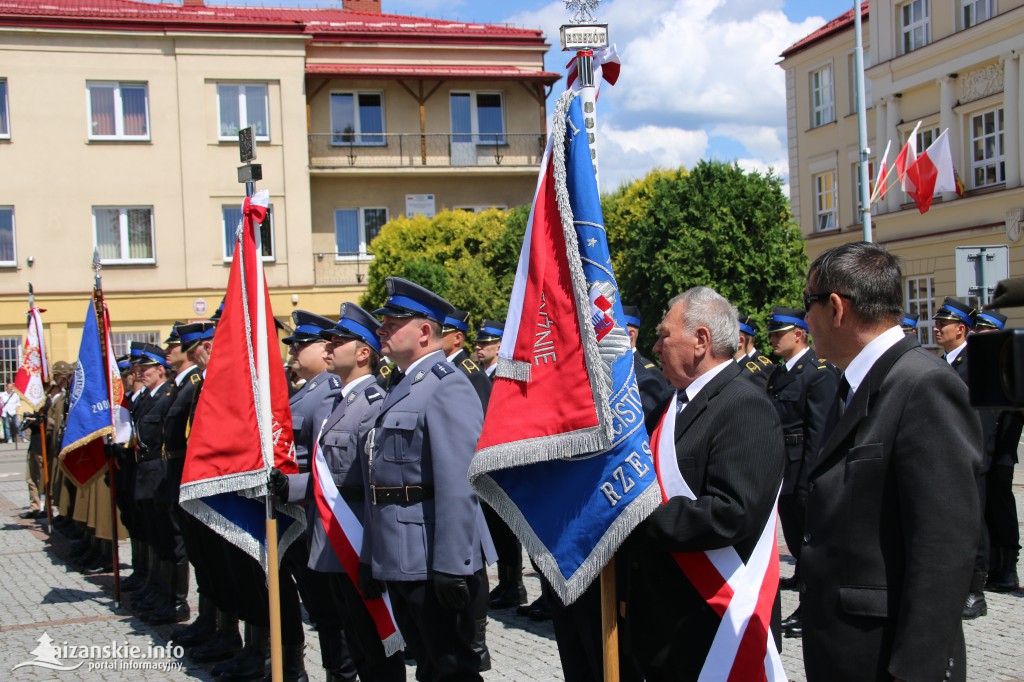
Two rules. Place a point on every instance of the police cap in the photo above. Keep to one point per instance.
(786, 318)
(408, 299)
(955, 311)
(307, 327)
(490, 330)
(456, 321)
(355, 323)
(193, 334)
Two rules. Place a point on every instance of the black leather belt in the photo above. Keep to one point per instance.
(174, 454)
(352, 493)
(794, 438)
(146, 455)
(401, 494)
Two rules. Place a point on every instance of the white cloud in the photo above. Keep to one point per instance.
(691, 68)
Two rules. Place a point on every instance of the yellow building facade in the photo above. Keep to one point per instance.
(948, 64)
(118, 132)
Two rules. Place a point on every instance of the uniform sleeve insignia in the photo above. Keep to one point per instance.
(470, 366)
(419, 376)
(764, 360)
(441, 369)
(753, 367)
(351, 397)
(195, 378)
(311, 386)
(385, 370)
(373, 394)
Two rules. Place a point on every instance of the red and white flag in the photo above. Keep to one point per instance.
(905, 159)
(933, 172)
(34, 371)
(880, 182)
(741, 592)
(606, 67)
(345, 533)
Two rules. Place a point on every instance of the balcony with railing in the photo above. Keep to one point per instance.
(340, 151)
(336, 268)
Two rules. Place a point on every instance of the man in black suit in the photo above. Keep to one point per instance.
(729, 451)
(892, 510)
(803, 390)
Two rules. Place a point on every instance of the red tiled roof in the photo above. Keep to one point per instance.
(326, 23)
(840, 23)
(453, 72)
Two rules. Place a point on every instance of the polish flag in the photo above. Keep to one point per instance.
(932, 172)
(905, 159)
(880, 185)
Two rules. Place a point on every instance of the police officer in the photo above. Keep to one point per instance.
(909, 323)
(124, 475)
(353, 352)
(654, 390)
(757, 366)
(1001, 439)
(953, 322)
(453, 338)
(426, 537)
(803, 389)
(488, 342)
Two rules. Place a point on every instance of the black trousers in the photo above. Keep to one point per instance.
(1001, 508)
(439, 639)
(361, 634)
(981, 555)
(505, 542)
(165, 501)
(793, 514)
(254, 601)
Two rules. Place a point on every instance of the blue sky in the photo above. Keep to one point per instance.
(699, 77)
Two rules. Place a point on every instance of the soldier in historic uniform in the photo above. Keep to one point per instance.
(756, 366)
(353, 351)
(488, 342)
(802, 387)
(426, 537)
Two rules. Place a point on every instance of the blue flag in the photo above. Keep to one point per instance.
(564, 456)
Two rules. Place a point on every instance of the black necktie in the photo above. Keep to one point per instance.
(843, 394)
(681, 400)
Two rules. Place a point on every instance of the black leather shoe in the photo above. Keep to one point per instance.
(170, 613)
(222, 645)
(789, 583)
(539, 612)
(101, 567)
(975, 606)
(794, 620)
(508, 596)
(132, 582)
(795, 632)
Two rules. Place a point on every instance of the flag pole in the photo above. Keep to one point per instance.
(862, 124)
(42, 427)
(249, 173)
(584, 35)
(100, 309)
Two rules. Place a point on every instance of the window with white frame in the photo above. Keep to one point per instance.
(124, 234)
(121, 341)
(988, 165)
(852, 64)
(357, 118)
(974, 12)
(118, 111)
(231, 216)
(915, 24)
(823, 108)
(355, 229)
(8, 250)
(478, 117)
(918, 294)
(5, 116)
(825, 201)
(240, 105)
(10, 358)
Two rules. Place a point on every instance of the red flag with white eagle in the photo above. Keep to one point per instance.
(34, 371)
(243, 424)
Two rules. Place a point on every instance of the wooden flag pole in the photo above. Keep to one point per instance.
(274, 589)
(46, 471)
(610, 622)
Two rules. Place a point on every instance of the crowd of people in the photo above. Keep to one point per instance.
(895, 539)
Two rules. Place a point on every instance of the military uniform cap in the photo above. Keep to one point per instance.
(307, 327)
(632, 315)
(124, 363)
(408, 299)
(955, 311)
(173, 339)
(62, 369)
(490, 330)
(786, 318)
(909, 321)
(135, 351)
(355, 323)
(152, 354)
(747, 325)
(989, 319)
(218, 312)
(193, 334)
(456, 320)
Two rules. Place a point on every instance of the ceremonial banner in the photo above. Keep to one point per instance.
(95, 388)
(345, 534)
(742, 592)
(565, 460)
(933, 172)
(34, 370)
(607, 66)
(243, 425)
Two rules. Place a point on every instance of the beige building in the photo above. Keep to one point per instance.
(118, 125)
(949, 64)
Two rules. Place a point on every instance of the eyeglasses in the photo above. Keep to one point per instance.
(811, 299)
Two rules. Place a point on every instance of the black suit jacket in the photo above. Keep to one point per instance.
(804, 397)
(481, 382)
(729, 450)
(892, 525)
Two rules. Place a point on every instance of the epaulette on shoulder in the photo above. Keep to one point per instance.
(470, 366)
(384, 370)
(650, 365)
(753, 367)
(373, 394)
(335, 382)
(822, 363)
(195, 378)
(442, 369)
(765, 361)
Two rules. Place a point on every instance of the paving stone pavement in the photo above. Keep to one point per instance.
(44, 595)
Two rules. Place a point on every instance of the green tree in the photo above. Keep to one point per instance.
(469, 259)
(714, 225)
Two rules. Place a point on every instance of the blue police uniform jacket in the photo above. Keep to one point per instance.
(340, 442)
(425, 435)
(310, 406)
